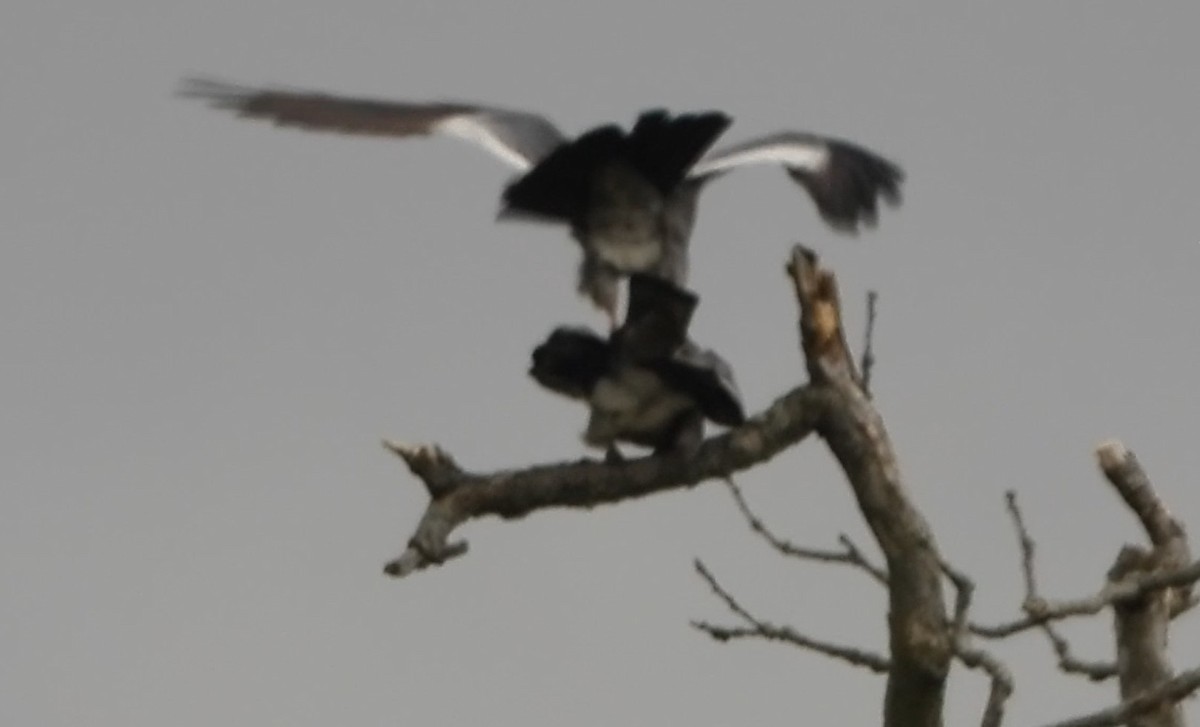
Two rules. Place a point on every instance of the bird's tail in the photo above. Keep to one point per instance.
(660, 148)
(656, 320)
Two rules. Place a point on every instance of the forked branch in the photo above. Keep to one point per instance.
(457, 496)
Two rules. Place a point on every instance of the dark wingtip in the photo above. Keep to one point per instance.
(217, 93)
(848, 189)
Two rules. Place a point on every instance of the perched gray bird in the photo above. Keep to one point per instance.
(628, 196)
(647, 384)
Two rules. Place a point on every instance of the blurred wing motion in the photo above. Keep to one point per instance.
(517, 138)
(845, 181)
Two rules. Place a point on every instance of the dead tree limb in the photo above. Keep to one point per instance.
(1142, 623)
(920, 641)
(1146, 588)
(457, 496)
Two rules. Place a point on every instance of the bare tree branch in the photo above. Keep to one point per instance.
(1096, 671)
(1126, 590)
(973, 657)
(1026, 543)
(757, 628)
(1001, 679)
(457, 496)
(1171, 692)
(920, 643)
(1125, 474)
(964, 589)
(849, 555)
(1145, 589)
(1166, 533)
(1142, 624)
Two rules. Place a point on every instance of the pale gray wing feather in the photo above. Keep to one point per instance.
(845, 180)
(518, 138)
(793, 149)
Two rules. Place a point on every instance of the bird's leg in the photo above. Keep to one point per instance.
(686, 438)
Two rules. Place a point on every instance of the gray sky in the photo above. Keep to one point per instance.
(209, 324)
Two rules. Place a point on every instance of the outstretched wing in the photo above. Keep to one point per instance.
(518, 138)
(845, 180)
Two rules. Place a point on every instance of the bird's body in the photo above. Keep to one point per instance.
(647, 384)
(635, 405)
(629, 197)
(625, 196)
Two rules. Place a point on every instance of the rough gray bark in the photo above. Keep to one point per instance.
(920, 639)
(1142, 623)
(457, 496)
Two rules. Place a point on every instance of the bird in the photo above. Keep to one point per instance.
(629, 197)
(647, 384)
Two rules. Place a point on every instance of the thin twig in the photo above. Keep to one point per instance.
(1170, 692)
(1034, 605)
(964, 589)
(868, 356)
(857, 558)
(1094, 670)
(1026, 543)
(973, 657)
(1097, 671)
(849, 555)
(1001, 678)
(1124, 591)
(756, 628)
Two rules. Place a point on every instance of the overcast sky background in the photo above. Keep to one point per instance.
(208, 325)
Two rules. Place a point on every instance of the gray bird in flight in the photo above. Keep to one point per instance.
(629, 197)
(647, 384)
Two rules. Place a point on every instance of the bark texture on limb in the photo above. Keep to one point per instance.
(920, 639)
(1142, 623)
(457, 496)
(1146, 588)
